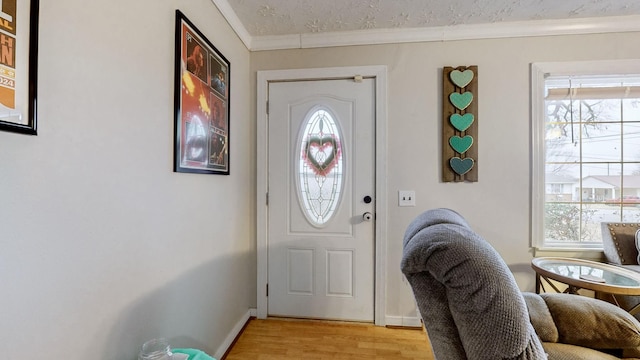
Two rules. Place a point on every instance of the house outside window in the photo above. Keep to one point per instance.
(585, 150)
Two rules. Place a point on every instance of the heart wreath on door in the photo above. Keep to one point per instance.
(322, 154)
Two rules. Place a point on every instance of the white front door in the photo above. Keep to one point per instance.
(321, 191)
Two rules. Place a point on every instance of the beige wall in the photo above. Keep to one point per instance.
(497, 206)
(102, 246)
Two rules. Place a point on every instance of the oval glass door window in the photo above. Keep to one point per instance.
(321, 167)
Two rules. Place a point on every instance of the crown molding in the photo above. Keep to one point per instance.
(578, 26)
(234, 21)
(277, 42)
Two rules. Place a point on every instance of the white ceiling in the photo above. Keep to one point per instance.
(285, 17)
(279, 22)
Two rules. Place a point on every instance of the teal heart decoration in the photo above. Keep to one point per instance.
(461, 144)
(461, 122)
(461, 78)
(461, 101)
(461, 166)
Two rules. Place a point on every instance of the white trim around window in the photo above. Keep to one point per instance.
(539, 72)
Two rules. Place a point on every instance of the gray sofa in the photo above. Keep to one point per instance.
(619, 242)
(473, 309)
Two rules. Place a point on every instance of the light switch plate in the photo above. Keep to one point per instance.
(406, 198)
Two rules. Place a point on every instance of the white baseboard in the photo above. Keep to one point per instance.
(408, 321)
(228, 341)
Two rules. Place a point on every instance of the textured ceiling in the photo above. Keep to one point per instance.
(285, 17)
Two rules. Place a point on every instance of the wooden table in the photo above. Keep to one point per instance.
(584, 274)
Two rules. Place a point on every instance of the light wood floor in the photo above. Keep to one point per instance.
(288, 339)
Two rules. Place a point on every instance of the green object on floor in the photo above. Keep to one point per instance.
(194, 354)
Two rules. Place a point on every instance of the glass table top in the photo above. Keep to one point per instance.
(588, 271)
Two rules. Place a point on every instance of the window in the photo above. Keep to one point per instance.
(586, 150)
(320, 167)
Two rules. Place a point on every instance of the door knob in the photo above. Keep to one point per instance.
(367, 216)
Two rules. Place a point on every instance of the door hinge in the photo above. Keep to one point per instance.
(267, 107)
(267, 290)
(267, 199)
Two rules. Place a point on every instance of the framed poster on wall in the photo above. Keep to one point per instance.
(201, 139)
(18, 65)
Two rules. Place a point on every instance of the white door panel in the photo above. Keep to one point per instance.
(321, 261)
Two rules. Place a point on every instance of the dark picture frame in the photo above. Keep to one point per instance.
(19, 66)
(201, 115)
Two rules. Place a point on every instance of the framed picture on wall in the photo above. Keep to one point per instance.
(18, 65)
(201, 115)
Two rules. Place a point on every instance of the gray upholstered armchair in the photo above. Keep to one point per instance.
(472, 308)
(619, 242)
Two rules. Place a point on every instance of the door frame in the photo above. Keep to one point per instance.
(379, 73)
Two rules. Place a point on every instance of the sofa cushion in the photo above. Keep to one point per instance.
(600, 325)
(540, 317)
(631, 353)
(558, 351)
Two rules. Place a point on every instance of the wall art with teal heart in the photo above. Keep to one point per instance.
(460, 124)
(461, 166)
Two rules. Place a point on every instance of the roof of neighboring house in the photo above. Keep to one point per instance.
(559, 179)
(630, 181)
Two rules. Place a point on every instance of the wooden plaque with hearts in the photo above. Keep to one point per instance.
(460, 124)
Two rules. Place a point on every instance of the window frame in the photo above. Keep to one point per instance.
(539, 71)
